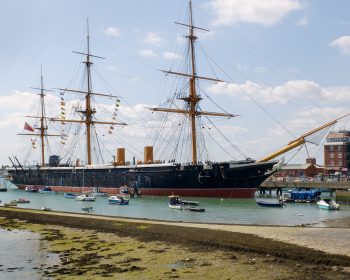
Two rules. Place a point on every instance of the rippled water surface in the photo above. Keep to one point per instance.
(23, 256)
(228, 211)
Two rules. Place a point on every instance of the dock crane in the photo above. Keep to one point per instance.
(299, 141)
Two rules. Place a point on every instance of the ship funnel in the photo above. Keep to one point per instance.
(120, 159)
(148, 154)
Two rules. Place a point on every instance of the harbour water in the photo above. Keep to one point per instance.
(25, 257)
(222, 211)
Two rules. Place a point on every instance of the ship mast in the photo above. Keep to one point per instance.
(43, 126)
(42, 120)
(89, 111)
(193, 99)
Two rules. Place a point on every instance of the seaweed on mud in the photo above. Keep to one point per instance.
(115, 254)
(157, 251)
(196, 239)
(129, 260)
(52, 235)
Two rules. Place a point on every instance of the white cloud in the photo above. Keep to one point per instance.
(283, 93)
(303, 22)
(342, 43)
(267, 12)
(147, 53)
(153, 38)
(112, 31)
(172, 56)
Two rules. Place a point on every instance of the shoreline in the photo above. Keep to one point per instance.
(217, 235)
(99, 247)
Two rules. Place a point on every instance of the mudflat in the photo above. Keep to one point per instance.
(99, 247)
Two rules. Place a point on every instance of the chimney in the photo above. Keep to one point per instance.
(120, 156)
(311, 160)
(148, 154)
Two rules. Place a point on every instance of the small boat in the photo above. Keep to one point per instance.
(11, 203)
(328, 204)
(86, 197)
(46, 209)
(47, 190)
(175, 202)
(272, 203)
(87, 209)
(97, 192)
(302, 196)
(70, 195)
(196, 209)
(23, 200)
(31, 189)
(118, 199)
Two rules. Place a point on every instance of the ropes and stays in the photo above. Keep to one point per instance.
(171, 133)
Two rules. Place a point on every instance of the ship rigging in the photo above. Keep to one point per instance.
(232, 178)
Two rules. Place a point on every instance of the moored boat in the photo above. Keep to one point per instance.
(86, 197)
(47, 190)
(175, 202)
(87, 209)
(118, 199)
(23, 200)
(70, 195)
(328, 204)
(97, 192)
(31, 189)
(270, 203)
(302, 196)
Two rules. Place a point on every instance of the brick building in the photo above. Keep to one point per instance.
(337, 152)
(308, 169)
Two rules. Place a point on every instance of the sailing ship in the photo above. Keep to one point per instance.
(229, 179)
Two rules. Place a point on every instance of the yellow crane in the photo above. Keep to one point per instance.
(299, 141)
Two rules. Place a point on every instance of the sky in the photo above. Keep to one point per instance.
(285, 66)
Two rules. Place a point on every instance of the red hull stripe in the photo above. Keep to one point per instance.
(221, 193)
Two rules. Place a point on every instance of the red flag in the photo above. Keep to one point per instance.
(28, 127)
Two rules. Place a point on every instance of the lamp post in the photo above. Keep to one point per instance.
(348, 198)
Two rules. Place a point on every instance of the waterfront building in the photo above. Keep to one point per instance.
(305, 170)
(337, 152)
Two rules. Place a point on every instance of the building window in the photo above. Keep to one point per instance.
(331, 155)
(340, 155)
(331, 163)
(340, 163)
(340, 148)
(331, 148)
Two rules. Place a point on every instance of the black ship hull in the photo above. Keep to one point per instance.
(227, 179)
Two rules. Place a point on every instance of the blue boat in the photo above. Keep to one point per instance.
(70, 195)
(273, 203)
(118, 199)
(302, 196)
(47, 190)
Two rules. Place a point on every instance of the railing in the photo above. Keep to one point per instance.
(272, 184)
